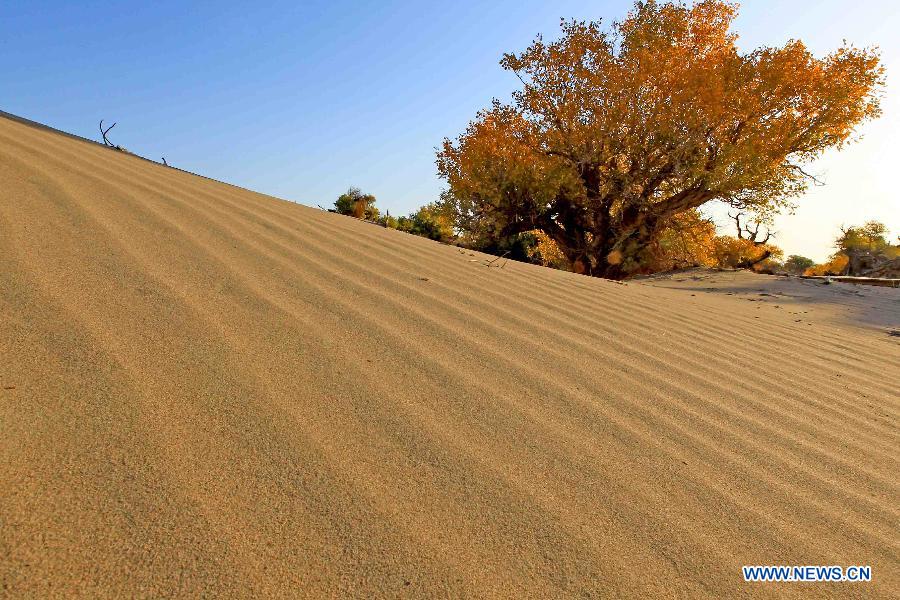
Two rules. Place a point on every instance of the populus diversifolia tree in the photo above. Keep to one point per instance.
(613, 132)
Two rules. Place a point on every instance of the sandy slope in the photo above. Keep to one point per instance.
(204, 390)
(805, 301)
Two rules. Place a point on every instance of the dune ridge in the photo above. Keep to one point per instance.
(206, 390)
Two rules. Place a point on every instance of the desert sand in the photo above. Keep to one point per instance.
(208, 391)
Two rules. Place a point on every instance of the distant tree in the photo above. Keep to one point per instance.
(431, 221)
(357, 204)
(859, 249)
(865, 247)
(871, 237)
(615, 132)
(797, 264)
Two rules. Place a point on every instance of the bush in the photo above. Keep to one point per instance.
(356, 204)
(797, 265)
(429, 221)
(836, 266)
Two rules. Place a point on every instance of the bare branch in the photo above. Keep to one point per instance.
(491, 262)
(103, 132)
(800, 170)
(744, 232)
(752, 233)
(737, 222)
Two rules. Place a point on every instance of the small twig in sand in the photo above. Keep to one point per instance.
(164, 161)
(490, 262)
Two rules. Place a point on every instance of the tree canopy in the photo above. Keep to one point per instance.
(869, 237)
(614, 132)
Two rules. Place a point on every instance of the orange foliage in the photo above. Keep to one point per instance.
(690, 240)
(546, 252)
(615, 132)
(837, 265)
(731, 252)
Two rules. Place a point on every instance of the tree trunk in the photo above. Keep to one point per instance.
(615, 257)
(624, 254)
(751, 262)
(618, 245)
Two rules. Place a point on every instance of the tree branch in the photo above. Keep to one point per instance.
(800, 170)
(103, 132)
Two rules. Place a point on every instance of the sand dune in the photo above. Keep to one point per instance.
(208, 391)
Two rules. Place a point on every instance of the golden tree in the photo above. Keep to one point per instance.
(615, 132)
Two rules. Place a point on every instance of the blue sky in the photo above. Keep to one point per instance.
(303, 99)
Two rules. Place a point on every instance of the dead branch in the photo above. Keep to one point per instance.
(490, 262)
(800, 170)
(751, 234)
(744, 232)
(737, 222)
(164, 161)
(749, 263)
(103, 132)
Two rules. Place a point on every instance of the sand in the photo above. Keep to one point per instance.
(208, 391)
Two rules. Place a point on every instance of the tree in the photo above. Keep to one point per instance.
(615, 132)
(797, 264)
(865, 247)
(357, 204)
(431, 221)
(860, 249)
(741, 253)
(754, 250)
(870, 237)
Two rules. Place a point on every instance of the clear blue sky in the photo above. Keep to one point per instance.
(303, 99)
